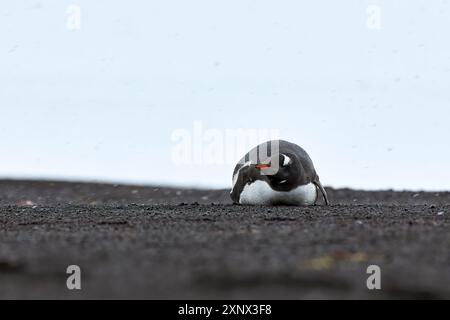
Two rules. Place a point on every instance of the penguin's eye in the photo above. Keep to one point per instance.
(285, 160)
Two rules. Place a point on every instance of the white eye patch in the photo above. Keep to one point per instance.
(286, 160)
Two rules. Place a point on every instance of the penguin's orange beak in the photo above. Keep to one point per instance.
(262, 166)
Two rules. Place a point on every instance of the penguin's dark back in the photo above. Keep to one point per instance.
(264, 151)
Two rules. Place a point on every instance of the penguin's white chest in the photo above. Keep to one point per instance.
(260, 193)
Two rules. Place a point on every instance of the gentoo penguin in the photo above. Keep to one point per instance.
(276, 172)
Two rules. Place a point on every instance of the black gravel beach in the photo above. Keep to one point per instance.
(169, 243)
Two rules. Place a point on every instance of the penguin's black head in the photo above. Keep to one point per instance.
(281, 171)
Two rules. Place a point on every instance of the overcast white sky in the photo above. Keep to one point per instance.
(363, 86)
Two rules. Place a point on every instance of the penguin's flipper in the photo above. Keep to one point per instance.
(241, 177)
(322, 190)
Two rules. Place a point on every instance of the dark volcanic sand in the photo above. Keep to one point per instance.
(145, 242)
